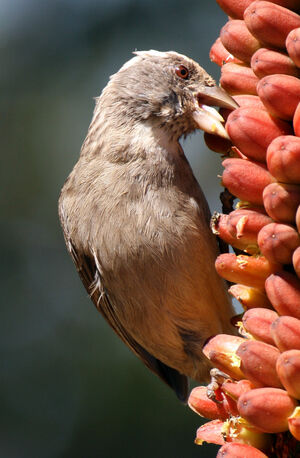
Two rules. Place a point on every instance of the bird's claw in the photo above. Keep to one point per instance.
(217, 377)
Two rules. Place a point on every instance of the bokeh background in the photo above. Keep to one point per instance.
(68, 387)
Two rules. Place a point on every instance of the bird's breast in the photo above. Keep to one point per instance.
(148, 226)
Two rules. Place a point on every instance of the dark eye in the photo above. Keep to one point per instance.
(182, 71)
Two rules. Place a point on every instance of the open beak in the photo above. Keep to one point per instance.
(207, 117)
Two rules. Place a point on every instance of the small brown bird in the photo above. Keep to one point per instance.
(136, 222)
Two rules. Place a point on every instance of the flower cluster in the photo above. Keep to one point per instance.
(255, 404)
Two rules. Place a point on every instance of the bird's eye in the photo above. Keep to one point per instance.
(182, 71)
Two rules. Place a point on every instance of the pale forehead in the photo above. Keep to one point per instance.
(140, 55)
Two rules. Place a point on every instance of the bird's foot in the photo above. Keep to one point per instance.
(217, 377)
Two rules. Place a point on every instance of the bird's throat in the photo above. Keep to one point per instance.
(155, 141)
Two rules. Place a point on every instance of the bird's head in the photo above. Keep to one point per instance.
(172, 90)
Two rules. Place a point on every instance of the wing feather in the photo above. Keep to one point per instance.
(90, 273)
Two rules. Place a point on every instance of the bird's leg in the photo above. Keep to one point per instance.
(217, 377)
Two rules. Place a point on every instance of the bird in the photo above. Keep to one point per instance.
(136, 221)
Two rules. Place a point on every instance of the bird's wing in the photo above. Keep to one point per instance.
(89, 272)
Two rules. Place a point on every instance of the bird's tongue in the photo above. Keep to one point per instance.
(209, 120)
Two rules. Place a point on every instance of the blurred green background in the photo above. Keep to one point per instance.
(68, 386)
